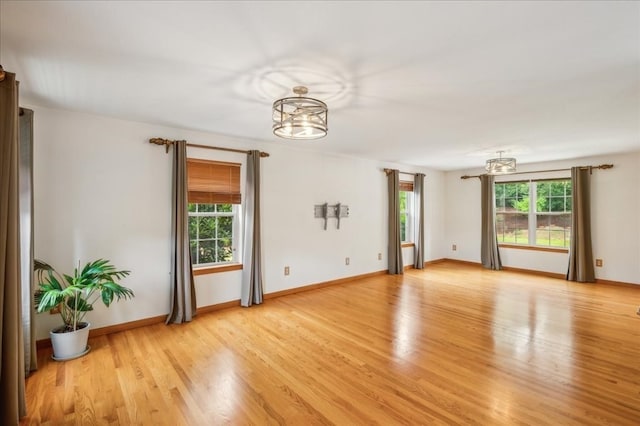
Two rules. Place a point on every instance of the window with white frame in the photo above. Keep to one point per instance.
(214, 212)
(406, 212)
(535, 213)
(212, 237)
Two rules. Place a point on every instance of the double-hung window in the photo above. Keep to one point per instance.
(535, 213)
(211, 233)
(406, 211)
(214, 212)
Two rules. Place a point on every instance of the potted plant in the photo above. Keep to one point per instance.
(73, 296)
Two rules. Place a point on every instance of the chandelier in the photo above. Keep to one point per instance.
(501, 165)
(299, 117)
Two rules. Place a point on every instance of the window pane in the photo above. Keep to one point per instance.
(513, 228)
(206, 251)
(553, 230)
(521, 230)
(552, 196)
(192, 207)
(206, 207)
(225, 226)
(521, 202)
(207, 227)
(543, 229)
(556, 204)
(516, 197)
(193, 227)
(225, 251)
(224, 207)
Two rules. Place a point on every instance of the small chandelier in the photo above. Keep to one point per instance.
(501, 165)
(300, 117)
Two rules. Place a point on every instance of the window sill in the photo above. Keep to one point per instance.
(535, 248)
(218, 268)
(403, 245)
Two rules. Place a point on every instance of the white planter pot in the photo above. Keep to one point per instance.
(70, 345)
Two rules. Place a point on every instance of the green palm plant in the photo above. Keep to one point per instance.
(74, 295)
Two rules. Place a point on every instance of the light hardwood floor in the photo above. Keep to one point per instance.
(454, 344)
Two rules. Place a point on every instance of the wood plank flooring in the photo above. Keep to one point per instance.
(454, 344)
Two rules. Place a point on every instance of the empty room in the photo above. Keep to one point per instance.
(320, 212)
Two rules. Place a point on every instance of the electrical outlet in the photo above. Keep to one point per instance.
(599, 263)
(286, 270)
(346, 261)
(454, 247)
(379, 256)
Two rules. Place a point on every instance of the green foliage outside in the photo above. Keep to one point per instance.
(403, 215)
(211, 233)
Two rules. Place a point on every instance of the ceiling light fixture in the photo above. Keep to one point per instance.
(501, 165)
(299, 117)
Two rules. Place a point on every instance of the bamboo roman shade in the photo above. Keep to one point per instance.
(405, 185)
(213, 182)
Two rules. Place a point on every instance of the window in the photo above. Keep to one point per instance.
(406, 211)
(536, 213)
(214, 212)
(211, 233)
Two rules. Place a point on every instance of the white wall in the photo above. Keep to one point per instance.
(101, 190)
(615, 220)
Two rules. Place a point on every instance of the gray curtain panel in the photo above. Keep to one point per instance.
(183, 291)
(489, 253)
(581, 267)
(252, 283)
(395, 247)
(12, 369)
(26, 239)
(418, 198)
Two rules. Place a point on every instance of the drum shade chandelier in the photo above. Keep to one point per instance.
(501, 165)
(299, 117)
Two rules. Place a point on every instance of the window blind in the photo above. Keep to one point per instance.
(405, 185)
(213, 182)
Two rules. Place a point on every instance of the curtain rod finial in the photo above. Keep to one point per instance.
(160, 141)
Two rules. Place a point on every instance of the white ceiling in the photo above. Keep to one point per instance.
(436, 84)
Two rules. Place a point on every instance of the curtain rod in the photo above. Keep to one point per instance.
(601, 166)
(167, 143)
(387, 171)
